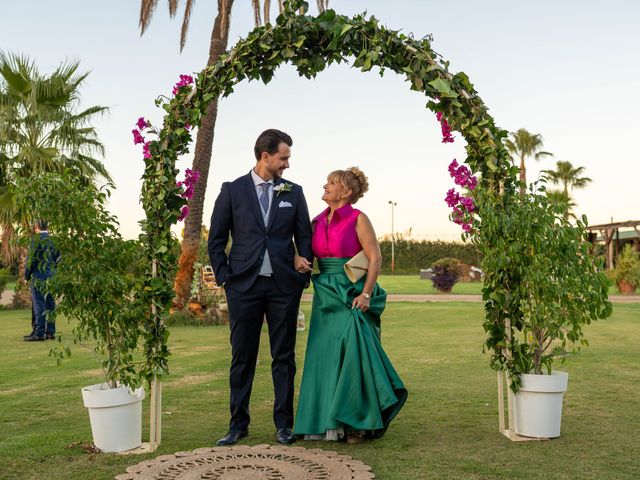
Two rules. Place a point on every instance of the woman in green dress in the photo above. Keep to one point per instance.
(349, 386)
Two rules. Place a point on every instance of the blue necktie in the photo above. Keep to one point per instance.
(264, 198)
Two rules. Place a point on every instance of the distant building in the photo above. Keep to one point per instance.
(614, 236)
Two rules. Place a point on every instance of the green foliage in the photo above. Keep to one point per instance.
(561, 202)
(94, 280)
(5, 276)
(412, 255)
(542, 284)
(41, 129)
(446, 273)
(628, 267)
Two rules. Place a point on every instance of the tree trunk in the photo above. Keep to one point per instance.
(201, 162)
(523, 176)
(22, 294)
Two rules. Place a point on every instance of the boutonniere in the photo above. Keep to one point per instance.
(283, 187)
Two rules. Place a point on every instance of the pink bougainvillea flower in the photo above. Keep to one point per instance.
(184, 213)
(462, 175)
(447, 137)
(185, 80)
(146, 152)
(468, 204)
(137, 138)
(142, 123)
(466, 227)
(458, 215)
(190, 179)
(187, 126)
(452, 198)
(453, 166)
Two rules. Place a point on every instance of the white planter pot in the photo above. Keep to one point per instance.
(115, 415)
(538, 405)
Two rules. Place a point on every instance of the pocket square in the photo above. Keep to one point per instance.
(284, 204)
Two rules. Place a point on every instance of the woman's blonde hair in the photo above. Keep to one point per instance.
(352, 179)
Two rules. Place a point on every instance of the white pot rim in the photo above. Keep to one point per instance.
(555, 383)
(100, 395)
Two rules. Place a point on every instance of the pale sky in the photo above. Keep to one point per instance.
(567, 70)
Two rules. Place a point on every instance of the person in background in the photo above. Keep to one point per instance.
(40, 267)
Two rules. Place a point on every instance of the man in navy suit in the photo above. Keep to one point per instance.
(39, 268)
(264, 215)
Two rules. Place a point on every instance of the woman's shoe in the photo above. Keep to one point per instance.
(355, 437)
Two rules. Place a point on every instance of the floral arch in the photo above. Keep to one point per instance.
(311, 44)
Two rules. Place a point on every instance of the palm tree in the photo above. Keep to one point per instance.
(204, 140)
(523, 145)
(41, 131)
(561, 201)
(568, 176)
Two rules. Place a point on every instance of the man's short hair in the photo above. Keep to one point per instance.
(269, 141)
(42, 224)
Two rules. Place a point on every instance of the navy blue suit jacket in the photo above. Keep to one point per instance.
(238, 213)
(42, 258)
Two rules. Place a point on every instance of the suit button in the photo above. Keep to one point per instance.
(266, 237)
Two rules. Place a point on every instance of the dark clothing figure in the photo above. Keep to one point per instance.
(40, 267)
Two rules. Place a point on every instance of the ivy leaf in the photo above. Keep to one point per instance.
(345, 28)
(443, 87)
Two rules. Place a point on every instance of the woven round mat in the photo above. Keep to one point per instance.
(242, 462)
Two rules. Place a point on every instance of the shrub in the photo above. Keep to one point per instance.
(555, 286)
(446, 273)
(412, 255)
(628, 267)
(5, 276)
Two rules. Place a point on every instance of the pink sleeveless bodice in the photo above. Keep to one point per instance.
(338, 238)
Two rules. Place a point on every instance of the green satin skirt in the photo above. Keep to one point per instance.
(348, 381)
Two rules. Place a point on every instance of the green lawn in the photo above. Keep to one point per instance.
(412, 284)
(447, 430)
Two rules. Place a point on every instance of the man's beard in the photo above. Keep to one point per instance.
(277, 173)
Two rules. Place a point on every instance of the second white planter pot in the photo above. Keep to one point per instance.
(538, 405)
(115, 415)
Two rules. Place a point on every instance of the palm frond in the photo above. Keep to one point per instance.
(540, 155)
(267, 8)
(147, 8)
(256, 12)
(185, 23)
(173, 8)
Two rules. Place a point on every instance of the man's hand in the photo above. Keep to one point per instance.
(301, 264)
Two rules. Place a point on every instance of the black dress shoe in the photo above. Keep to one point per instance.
(285, 436)
(34, 338)
(30, 335)
(232, 437)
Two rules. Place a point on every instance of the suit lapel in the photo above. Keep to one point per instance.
(255, 205)
(274, 205)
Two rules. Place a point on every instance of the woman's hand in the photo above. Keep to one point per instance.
(360, 302)
(301, 264)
